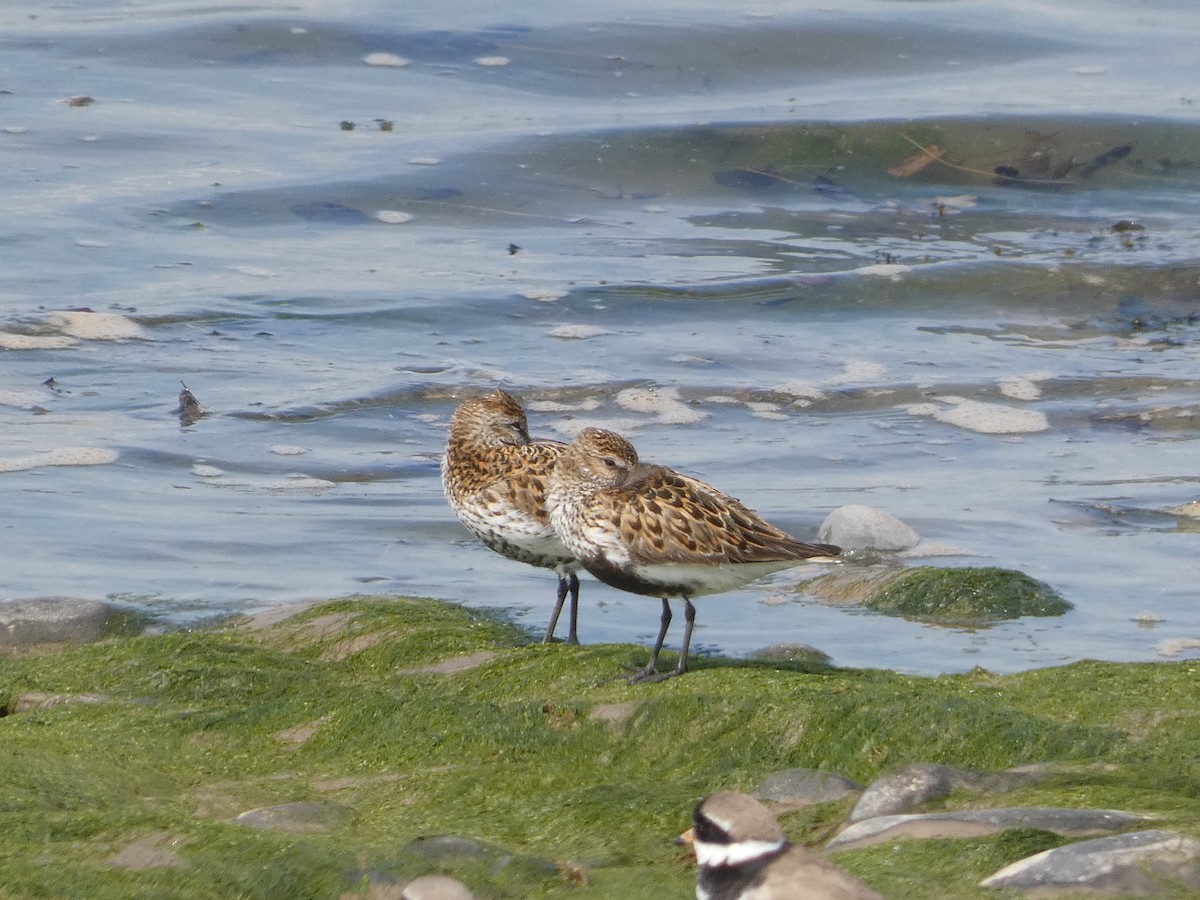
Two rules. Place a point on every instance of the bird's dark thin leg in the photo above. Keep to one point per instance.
(562, 596)
(573, 586)
(651, 671)
(689, 617)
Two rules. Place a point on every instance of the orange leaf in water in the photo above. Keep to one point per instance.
(917, 162)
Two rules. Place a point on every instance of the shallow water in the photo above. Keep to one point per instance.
(678, 221)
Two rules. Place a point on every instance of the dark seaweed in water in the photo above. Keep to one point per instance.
(1106, 159)
(190, 411)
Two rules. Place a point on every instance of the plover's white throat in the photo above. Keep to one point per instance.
(650, 530)
(743, 854)
(495, 478)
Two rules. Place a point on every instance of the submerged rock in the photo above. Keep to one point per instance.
(967, 596)
(1141, 864)
(968, 823)
(851, 585)
(860, 527)
(1187, 509)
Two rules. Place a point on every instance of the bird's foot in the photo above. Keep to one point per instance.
(645, 676)
(650, 675)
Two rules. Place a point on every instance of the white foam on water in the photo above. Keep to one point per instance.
(663, 403)
(572, 427)
(20, 399)
(544, 295)
(858, 370)
(11, 341)
(94, 326)
(884, 270)
(985, 418)
(62, 456)
(1023, 387)
(293, 483)
(390, 60)
(766, 411)
(578, 332)
(556, 406)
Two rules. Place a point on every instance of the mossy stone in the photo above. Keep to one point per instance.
(967, 596)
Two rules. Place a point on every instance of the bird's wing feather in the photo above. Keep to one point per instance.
(666, 517)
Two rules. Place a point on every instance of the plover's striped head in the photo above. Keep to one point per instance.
(732, 829)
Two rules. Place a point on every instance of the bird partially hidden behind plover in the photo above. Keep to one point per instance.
(650, 530)
(743, 854)
(495, 479)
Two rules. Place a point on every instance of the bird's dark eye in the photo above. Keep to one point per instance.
(709, 832)
(610, 462)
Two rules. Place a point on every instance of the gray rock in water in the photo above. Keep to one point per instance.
(1140, 864)
(859, 527)
(56, 620)
(969, 823)
(804, 787)
(294, 818)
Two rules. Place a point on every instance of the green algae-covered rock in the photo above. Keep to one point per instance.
(967, 596)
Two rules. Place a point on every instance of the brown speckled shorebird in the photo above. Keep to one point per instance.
(650, 530)
(495, 478)
(743, 854)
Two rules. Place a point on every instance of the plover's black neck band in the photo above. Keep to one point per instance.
(730, 882)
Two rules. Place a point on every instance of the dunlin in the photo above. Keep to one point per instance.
(743, 854)
(495, 478)
(650, 530)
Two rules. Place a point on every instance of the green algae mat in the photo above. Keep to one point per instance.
(374, 730)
